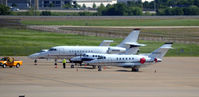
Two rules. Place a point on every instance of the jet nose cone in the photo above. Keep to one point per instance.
(33, 56)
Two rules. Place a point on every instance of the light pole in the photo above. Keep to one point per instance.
(6, 2)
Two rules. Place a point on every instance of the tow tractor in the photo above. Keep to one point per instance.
(9, 61)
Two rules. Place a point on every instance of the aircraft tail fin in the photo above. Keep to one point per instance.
(131, 38)
(106, 43)
(160, 52)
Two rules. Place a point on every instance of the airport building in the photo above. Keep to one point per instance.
(21, 4)
(89, 3)
(4, 2)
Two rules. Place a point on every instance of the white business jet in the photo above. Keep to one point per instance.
(124, 60)
(68, 52)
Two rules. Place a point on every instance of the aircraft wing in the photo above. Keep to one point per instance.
(129, 64)
(106, 43)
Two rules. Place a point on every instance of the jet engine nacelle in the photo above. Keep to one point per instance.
(112, 50)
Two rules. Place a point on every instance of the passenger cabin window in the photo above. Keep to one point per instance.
(101, 57)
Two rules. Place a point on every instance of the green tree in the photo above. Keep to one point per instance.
(45, 13)
(135, 3)
(108, 5)
(76, 5)
(134, 11)
(100, 9)
(68, 5)
(177, 11)
(117, 9)
(4, 10)
(196, 2)
(120, 9)
(84, 6)
(192, 10)
(94, 5)
(14, 5)
(51, 5)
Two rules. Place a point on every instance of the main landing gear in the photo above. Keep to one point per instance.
(72, 66)
(94, 66)
(135, 69)
(35, 61)
(99, 68)
(55, 61)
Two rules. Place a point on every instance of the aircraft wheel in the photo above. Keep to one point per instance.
(99, 68)
(4, 65)
(72, 66)
(18, 65)
(94, 66)
(134, 69)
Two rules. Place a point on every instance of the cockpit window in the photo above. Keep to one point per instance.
(52, 49)
(85, 55)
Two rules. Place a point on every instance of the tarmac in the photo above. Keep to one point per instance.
(174, 77)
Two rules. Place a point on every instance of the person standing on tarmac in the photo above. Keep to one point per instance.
(64, 63)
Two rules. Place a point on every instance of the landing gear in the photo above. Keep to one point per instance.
(135, 69)
(94, 66)
(72, 66)
(55, 61)
(99, 68)
(35, 61)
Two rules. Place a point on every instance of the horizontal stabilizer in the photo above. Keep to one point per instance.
(134, 44)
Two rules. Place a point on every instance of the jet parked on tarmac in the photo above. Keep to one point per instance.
(124, 60)
(68, 52)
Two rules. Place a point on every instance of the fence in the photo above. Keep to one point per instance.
(185, 37)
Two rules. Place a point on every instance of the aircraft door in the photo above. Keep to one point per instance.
(61, 51)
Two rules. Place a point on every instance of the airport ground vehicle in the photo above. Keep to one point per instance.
(9, 61)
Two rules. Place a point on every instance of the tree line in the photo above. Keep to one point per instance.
(131, 8)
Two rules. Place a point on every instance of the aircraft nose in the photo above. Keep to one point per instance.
(33, 56)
